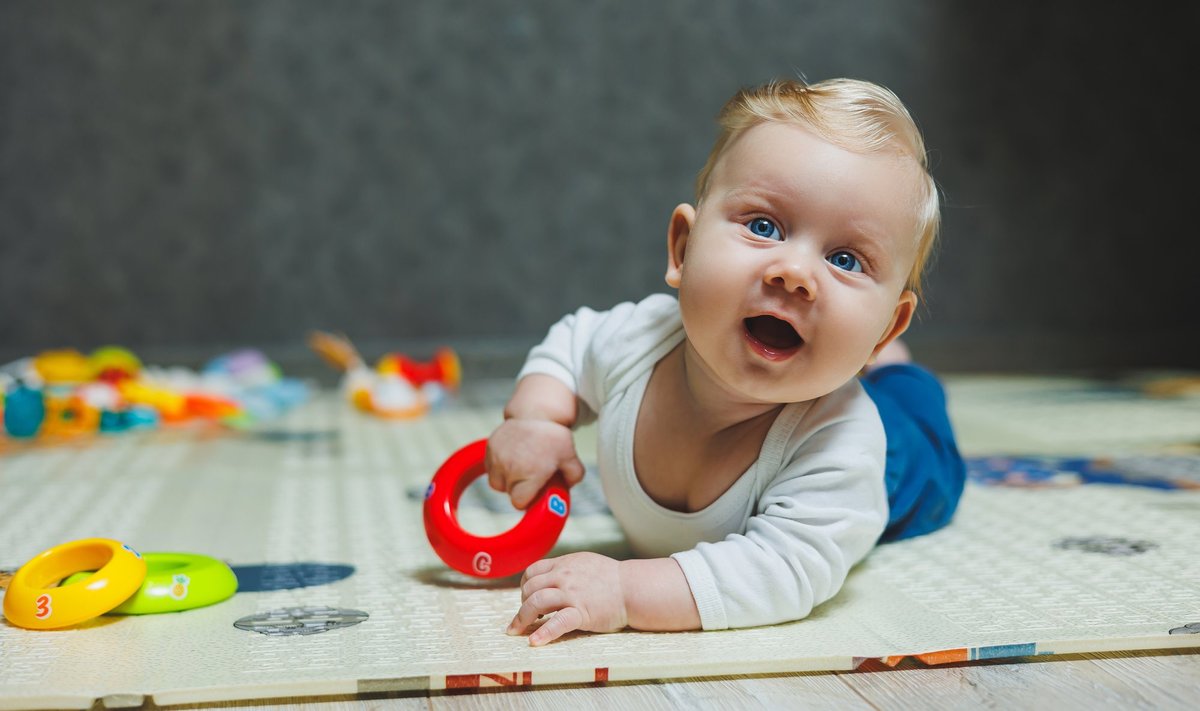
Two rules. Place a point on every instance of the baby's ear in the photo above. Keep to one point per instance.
(678, 231)
(901, 319)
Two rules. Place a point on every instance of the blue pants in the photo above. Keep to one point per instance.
(924, 471)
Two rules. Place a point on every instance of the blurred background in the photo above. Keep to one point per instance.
(183, 178)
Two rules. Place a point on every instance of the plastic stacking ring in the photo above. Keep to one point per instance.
(175, 582)
(495, 556)
(33, 602)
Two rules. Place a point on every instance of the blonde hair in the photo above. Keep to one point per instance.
(856, 115)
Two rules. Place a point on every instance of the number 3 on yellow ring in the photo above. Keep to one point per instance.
(32, 600)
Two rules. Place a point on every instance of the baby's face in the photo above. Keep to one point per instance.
(791, 273)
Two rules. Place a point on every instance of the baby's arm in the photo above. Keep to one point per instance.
(586, 591)
(594, 593)
(534, 441)
(565, 382)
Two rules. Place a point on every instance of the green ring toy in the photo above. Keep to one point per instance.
(175, 582)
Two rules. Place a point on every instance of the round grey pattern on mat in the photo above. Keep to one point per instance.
(1190, 628)
(300, 620)
(1106, 545)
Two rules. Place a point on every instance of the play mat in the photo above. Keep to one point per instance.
(1077, 533)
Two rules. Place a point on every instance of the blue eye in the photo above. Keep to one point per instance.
(762, 227)
(845, 260)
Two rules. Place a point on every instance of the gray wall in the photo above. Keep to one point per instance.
(185, 177)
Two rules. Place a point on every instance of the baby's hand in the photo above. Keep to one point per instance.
(523, 454)
(583, 590)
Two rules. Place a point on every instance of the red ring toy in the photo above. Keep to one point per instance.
(493, 556)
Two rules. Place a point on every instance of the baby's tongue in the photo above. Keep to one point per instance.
(773, 332)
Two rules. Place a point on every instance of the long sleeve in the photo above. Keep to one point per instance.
(815, 519)
(594, 352)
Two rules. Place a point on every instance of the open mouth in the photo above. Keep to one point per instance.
(773, 335)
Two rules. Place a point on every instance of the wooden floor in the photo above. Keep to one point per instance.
(1138, 680)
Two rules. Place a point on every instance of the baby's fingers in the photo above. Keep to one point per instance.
(545, 565)
(563, 621)
(495, 480)
(495, 470)
(525, 491)
(572, 471)
(542, 602)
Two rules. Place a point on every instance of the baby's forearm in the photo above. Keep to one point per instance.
(657, 596)
(542, 397)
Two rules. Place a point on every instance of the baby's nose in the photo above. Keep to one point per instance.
(794, 274)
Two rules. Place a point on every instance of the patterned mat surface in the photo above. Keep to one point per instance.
(322, 511)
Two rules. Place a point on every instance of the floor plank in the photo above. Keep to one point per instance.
(1168, 680)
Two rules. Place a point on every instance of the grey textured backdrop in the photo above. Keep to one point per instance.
(185, 177)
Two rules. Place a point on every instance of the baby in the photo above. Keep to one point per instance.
(748, 464)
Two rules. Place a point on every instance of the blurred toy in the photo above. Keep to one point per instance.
(69, 415)
(64, 393)
(388, 396)
(112, 364)
(133, 418)
(444, 371)
(24, 410)
(261, 389)
(246, 367)
(68, 366)
(62, 366)
(170, 403)
(398, 387)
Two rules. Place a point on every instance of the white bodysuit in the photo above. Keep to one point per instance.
(783, 537)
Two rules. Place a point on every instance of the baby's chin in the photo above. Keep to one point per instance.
(771, 393)
(770, 388)
(802, 389)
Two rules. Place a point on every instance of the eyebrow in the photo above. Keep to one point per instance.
(875, 247)
(739, 192)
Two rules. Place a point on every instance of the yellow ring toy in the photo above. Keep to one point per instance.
(33, 602)
(175, 582)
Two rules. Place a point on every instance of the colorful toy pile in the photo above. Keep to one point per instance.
(399, 387)
(67, 393)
